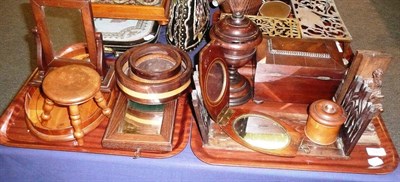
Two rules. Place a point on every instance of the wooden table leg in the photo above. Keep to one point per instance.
(76, 123)
(47, 108)
(102, 103)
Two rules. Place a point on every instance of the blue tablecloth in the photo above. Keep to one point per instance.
(18, 164)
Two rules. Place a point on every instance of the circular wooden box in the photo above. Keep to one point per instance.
(324, 121)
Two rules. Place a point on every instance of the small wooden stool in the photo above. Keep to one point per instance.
(70, 86)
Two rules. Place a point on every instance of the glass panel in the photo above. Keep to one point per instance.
(215, 82)
(65, 28)
(261, 132)
(142, 119)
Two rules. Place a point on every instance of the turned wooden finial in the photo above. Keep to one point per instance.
(238, 36)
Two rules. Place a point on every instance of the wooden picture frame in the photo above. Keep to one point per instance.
(139, 142)
(126, 11)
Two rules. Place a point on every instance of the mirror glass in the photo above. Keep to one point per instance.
(261, 132)
(216, 81)
(65, 28)
(142, 119)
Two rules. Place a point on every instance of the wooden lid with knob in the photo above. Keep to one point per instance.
(327, 112)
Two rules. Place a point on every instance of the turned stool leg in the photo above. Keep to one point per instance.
(76, 123)
(47, 108)
(102, 103)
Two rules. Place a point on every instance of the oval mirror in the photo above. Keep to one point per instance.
(261, 132)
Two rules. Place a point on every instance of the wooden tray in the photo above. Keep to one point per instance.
(356, 163)
(14, 132)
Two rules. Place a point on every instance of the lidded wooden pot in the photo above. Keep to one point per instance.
(153, 73)
(324, 121)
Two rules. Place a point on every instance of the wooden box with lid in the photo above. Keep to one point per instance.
(298, 70)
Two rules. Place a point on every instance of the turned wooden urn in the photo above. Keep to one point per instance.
(324, 121)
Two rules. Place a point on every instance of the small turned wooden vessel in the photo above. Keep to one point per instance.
(324, 121)
(154, 73)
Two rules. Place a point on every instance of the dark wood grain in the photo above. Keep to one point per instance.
(147, 91)
(299, 79)
(364, 63)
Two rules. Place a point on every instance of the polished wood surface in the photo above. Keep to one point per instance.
(70, 86)
(213, 76)
(15, 133)
(324, 120)
(158, 141)
(238, 36)
(58, 126)
(295, 115)
(148, 91)
(61, 123)
(87, 51)
(155, 62)
(140, 12)
(287, 77)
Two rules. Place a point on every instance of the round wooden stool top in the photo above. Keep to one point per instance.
(71, 84)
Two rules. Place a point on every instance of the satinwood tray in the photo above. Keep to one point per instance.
(357, 162)
(14, 131)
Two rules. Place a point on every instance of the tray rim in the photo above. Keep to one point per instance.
(213, 157)
(181, 134)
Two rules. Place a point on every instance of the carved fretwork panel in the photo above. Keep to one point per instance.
(361, 103)
(272, 26)
(320, 19)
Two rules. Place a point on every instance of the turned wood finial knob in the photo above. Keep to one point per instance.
(236, 32)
